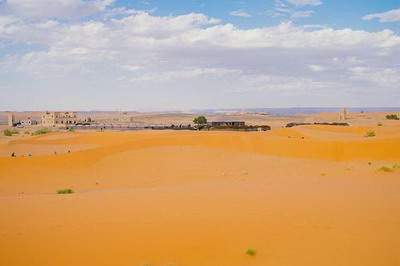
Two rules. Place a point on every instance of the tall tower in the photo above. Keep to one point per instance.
(343, 114)
(11, 119)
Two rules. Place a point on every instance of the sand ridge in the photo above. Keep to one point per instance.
(203, 198)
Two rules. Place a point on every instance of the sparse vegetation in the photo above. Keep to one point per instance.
(9, 133)
(370, 134)
(392, 117)
(41, 131)
(380, 124)
(251, 252)
(386, 169)
(71, 129)
(65, 191)
(396, 166)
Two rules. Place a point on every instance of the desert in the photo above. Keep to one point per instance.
(199, 133)
(306, 195)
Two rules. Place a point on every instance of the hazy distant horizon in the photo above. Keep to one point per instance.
(213, 110)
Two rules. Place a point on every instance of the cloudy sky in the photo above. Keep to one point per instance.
(186, 54)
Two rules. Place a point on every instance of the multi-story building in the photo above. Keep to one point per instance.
(59, 119)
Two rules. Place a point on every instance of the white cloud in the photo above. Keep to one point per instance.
(389, 77)
(293, 8)
(142, 55)
(55, 8)
(389, 16)
(302, 14)
(316, 68)
(240, 13)
(305, 2)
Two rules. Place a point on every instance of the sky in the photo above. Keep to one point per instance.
(150, 55)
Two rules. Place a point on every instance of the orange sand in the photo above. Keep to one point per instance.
(301, 196)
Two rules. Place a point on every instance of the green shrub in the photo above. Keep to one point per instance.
(7, 133)
(251, 252)
(370, 133)
(71, 129)
(392, 117)
(65, 191)
(41, 131)
(200, 120)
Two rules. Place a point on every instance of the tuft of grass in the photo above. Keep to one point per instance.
(392, 117)
(386, 169)
(65, 191)
(41, 131)
(380, 124)
(7, 132)
(251, 252)
(71, 129)
(396, 166)
(370, 134)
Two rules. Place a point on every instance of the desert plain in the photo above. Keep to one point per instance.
(301, 196)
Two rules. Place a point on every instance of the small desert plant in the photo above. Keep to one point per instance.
(41, 131)
(396, 166)
(380, 124)
(7, 133)
(386, 169)
(251, 252)
(370, 134)
(65, 191)
(392, 117)
(71, 129)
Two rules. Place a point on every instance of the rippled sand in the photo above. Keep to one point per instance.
(302, 196)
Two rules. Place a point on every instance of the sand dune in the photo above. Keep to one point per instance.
(301, 196)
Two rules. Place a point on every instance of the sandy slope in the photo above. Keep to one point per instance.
(300, 196)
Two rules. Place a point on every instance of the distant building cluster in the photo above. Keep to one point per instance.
(12, 122)
(49, 119)
(61, 119)
(227, 124)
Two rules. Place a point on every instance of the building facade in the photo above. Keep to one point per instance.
(228, 124)
(59, 119)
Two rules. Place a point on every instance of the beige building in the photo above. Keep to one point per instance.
(125, 118)
(343, 115)
(59, 119)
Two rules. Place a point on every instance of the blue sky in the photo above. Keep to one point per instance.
(333, 13)
(164, 55)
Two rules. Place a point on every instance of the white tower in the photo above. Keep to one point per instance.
(11, 119)
(343, 114)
